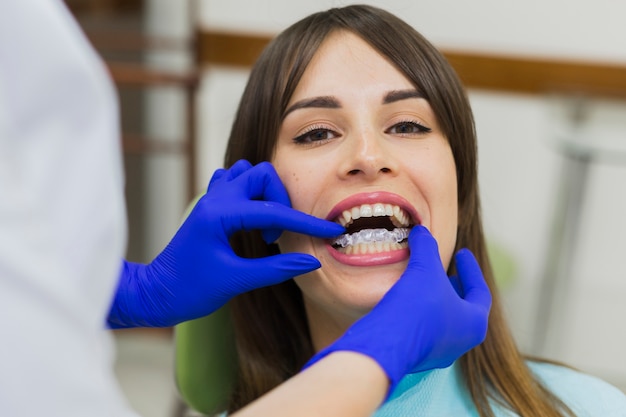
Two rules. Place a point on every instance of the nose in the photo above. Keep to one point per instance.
(368, 155)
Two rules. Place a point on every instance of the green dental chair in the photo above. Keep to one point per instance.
(205, 362)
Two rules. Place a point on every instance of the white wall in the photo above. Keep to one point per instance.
(520, 165)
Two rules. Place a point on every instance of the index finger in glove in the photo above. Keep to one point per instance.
(266, 215)
(264, 183)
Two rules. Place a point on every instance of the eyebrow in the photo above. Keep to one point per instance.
(322, 102)
(397, 95)
(330, 102)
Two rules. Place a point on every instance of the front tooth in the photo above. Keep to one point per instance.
(379, 210)
(372, 248)
(399, 217)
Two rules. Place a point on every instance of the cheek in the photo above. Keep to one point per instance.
(448, 221)
(446, 243)
(439, 185)
(291, 179)
(302, 184)
(295, 188)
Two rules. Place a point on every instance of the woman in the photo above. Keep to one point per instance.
(368, 125)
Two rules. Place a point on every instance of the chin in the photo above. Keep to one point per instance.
(359, 296)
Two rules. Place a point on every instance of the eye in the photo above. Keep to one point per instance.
(408, 128)
(315, 135)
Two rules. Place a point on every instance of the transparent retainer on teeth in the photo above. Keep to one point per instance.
(372, 235)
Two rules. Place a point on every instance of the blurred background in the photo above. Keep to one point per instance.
(547, 82)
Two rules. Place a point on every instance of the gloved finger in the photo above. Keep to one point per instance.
(270, 235)
(265, 215)
(228, 174)
(260, 182)
(423, 259)
(474, 286)
(456, 284)
(262, 272)
(238, 168)
(217, 175)
(424, 251)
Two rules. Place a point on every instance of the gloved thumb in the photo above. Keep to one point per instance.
(424, 250)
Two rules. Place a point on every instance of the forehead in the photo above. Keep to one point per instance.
(345, 63)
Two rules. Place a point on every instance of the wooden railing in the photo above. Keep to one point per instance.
(516, 74)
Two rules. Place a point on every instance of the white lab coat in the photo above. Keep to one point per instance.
(62, 220)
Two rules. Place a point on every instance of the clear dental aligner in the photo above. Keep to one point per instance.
(372, 235)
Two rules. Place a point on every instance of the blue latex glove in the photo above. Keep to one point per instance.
(198, 271)
(423, 322)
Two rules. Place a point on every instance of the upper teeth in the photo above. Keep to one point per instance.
(399, 217)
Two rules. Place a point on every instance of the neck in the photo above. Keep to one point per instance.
(326, 327)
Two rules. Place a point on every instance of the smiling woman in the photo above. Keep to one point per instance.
(367, 125)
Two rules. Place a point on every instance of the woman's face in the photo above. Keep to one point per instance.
(358, 145)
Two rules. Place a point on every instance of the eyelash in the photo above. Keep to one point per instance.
(305, 137)
(420, 128)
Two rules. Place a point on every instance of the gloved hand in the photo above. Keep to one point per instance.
(198, 271)
(422, 322)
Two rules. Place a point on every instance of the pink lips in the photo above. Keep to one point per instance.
(383, 258)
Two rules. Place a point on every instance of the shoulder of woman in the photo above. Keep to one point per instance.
(584, 393)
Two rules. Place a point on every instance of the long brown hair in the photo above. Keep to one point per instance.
(271, 328)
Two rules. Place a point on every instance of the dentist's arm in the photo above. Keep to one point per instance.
(342, 384)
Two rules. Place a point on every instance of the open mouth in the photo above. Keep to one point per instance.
(373, 228)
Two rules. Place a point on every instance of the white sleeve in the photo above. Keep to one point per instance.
(62, 219)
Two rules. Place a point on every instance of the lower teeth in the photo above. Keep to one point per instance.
(372, 236)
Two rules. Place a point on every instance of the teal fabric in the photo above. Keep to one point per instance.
(441, 392)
